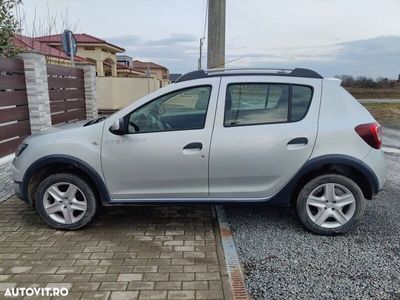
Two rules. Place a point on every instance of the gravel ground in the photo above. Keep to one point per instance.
(281, 260)
(391, 137)
(379, 100)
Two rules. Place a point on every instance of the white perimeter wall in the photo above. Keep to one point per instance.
(118, 92)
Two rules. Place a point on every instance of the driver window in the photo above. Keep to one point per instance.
(181, 110)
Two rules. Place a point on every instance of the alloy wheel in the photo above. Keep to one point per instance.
(65, 203)
(330, 205)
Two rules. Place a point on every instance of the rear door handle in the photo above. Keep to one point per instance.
(197, 146)
(298, 141)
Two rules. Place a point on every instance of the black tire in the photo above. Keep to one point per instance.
(315, 183)
(84, 188)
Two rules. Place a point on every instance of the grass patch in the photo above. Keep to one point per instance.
(387, 114)
(375, 93)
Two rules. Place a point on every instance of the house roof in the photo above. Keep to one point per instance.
(147, 64)
(31, 44)
(125, 68)
(82, 38)
(130, 69)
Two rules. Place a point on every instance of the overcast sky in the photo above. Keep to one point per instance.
(358, 37)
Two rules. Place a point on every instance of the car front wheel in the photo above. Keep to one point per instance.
(330, 204)
(65, 201)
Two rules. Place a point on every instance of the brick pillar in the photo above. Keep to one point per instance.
(37, 90)
(89, 72)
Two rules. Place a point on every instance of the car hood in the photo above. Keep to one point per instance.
(62, 127)
(58, 130)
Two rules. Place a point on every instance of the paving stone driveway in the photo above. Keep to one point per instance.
(152, 252)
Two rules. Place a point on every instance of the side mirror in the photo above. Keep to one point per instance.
(118, 127)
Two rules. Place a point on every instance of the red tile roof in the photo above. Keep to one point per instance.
(31, 44)
(121, 66)
(80, 38)
(146, 64)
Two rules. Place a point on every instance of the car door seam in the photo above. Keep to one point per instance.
(212, 133)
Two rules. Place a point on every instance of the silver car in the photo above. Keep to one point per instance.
(287, 137)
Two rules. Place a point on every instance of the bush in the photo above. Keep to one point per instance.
(8, 26)
(365, 82)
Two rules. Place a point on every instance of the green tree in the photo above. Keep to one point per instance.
(8, 26)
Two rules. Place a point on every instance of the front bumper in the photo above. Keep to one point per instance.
(17, 186)
(17, 182)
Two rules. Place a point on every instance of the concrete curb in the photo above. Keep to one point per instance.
(237, 283)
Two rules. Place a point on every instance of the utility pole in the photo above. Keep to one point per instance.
(201, 52)
(148, 78)
(216, 34)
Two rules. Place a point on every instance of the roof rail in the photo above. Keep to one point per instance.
(249, 69)
(297, 72)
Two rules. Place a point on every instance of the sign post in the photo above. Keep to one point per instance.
(69, 45)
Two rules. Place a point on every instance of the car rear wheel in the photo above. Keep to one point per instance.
(330, 204)
(65, 201)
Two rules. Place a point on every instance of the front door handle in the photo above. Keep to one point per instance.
(298, 141)
(196, 146)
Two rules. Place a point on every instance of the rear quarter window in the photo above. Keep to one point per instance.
(301, 100)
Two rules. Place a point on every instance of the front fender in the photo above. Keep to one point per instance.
(64, 159)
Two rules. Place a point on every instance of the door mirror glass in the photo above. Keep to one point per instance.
(118, 127)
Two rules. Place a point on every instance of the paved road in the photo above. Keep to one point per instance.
(147, 252)
(283, 261)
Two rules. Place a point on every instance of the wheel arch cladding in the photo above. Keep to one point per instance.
(345, 165)
(61, 163)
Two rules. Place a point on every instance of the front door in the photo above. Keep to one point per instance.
(165, 154)
(263, 133)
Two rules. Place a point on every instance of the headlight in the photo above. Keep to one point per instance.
(20, 149)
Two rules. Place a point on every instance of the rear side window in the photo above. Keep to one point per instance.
(254, 103)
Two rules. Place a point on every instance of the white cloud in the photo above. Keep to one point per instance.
(315, 33)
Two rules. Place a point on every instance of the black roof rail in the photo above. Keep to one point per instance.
(297, 72)
(301, 72)
(192, 75)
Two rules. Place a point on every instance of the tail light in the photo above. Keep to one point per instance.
(371, 134)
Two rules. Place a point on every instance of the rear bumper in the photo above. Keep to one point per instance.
(375, 159)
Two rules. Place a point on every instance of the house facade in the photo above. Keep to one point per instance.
(121, 80)
(161, 72)
(92, 50)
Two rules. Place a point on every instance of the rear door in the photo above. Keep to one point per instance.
(264, 131)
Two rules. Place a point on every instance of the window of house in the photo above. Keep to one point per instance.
(259, 103)
(181, 110)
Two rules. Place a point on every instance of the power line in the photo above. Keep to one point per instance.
(229, 61)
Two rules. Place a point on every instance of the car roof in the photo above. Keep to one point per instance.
(297, 72)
